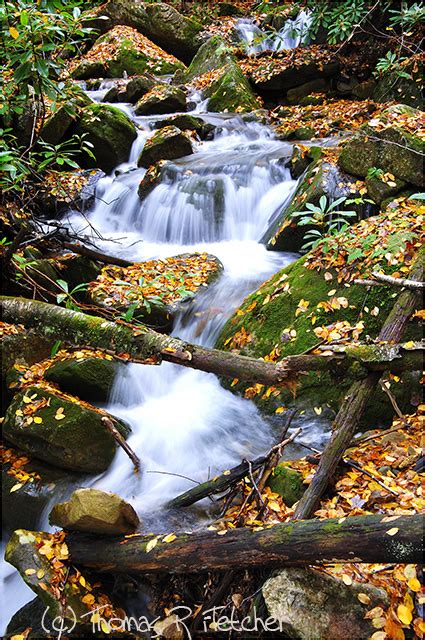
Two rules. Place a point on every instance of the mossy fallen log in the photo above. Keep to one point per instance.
(141, 344)
(369, 538)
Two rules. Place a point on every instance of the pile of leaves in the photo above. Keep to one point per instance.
(161, 282)
(393, 490)
(15, 463)
(327, 118)
(65, 186)
(108, 48)
(383, 242)
(7, 329)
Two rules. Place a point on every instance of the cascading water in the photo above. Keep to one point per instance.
(184, 423)
(293, 34)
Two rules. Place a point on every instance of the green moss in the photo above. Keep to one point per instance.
(90, 379)
(288, 483)
(231, 92)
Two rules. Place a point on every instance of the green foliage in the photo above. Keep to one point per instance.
(67, 296)
(374, 173)
(326, 218)
(338, 18)
(408, 16)
(391, 63)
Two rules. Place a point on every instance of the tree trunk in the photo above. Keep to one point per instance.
(357, 539)
(139, 344)
(354, 404)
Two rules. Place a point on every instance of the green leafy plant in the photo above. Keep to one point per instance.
(408, 15)
(326, 219)
(67, 296)
(374, 173)
(391, 63)
(338, 18)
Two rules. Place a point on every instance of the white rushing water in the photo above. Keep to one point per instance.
(293, 34)
(220, 200)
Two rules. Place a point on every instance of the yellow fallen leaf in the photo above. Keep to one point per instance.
(318, 410)
(226, 473)
(280, 410)
(364, 598)
(404, 614)
(273, 505)
(29, 572)
(151, 544)
(169, 538)
(393, 531)
(26, 399)
(14, 33)
(16, 487)
(38, 419)
(40, 574)
(414, 584)
(347, 579)
(104, 626)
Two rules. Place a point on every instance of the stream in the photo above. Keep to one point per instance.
(185, 426)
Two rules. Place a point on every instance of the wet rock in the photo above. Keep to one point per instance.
(128, 52)
(312, 100)
(391, 147)
(110, 132)
(79, 441)
(89, 379)
(23, 552)
(294, 95)
(364, 90)
(407, 90)
(96, 512)
(228, 9)
(137, 87)
(186, 122)
(168, 143)
(297, 133)
(161, 99)
(160, 22)
(151, 179)
(301, 158)
(316, 606)
(294, 76)
(288, 483)
(227, 89)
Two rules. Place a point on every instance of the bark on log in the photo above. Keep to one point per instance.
(354, 404)
(356, 539)
(142, 343)
(96, 255)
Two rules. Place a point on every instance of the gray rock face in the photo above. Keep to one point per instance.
(315, 606)
(161, 99)
(90, 379)
(96, 512)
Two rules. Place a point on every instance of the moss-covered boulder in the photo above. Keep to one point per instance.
(315, 301)
(216, 71)
(168, 143)
(381, 189)
(95, 511)
(28, 619)
(288, 483)
(124, 50)
(131, 90)
(390, 143)
(157, 289)
(228, 9)
(58, 429)
(159, 21)
(63, 190)
(295, 133)
(110, 132)
(59, 121)
(406, 88)
(161, 99)
(186, 122)
(322, 178)
(310, 604)
(88, 378)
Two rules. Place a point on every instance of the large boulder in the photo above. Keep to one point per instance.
(288, 483)
(124, 50)
(215, 70)
(315, 299)
(59, 430)
(63, 190)
(88, 378)
(168, 143)
(160, 22)
(406, 87)
(58, 122)
(110, 132)
(312, 605)
(96, 512)
(157, 289)
(186, 122)
(161, 99)
(390, 143)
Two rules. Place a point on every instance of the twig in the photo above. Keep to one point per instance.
(122, 443)
(384, 279)
(178, 475)
(392, 400)
(97, 255)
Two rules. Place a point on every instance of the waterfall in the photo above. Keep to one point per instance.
(294, 33)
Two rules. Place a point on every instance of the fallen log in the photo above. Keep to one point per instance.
(96, 255)
(141, 344)
(371, 538)
(354, 404)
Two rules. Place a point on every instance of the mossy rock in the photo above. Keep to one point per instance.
(322, 178)
(296, 133)
(79, 441)
(67, 189)
(58, 123)
(110, 132)
(152, 178)
(95, 511)
(301, 158)
(160, 22)
(394, 148)
(288, 483)
(161, 99)
(406, 90)
(161, 277)
(269, 315)
(129, 52)
(23, 552)
(89, 379)
(185, 122)
(168, 143)
(380, 191)
(228, 9)
(228, 89)
(296, 94)
(28, 618)
(137, 87)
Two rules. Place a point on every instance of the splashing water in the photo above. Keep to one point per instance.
(293, 34)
